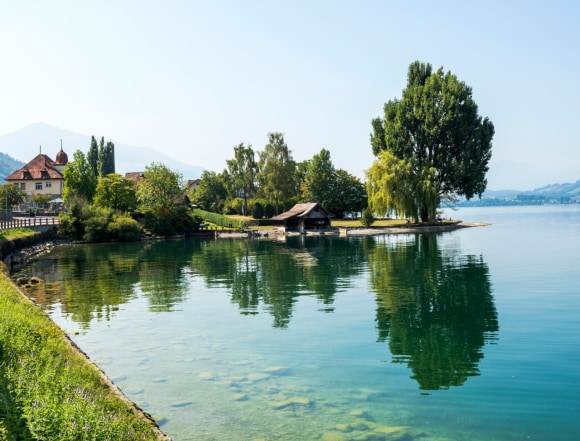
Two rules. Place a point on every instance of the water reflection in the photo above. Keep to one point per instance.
(434, 307)
(434, 304)
(275, 274)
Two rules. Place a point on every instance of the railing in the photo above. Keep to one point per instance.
(27, 222)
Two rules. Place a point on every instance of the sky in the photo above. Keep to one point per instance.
(193, 79)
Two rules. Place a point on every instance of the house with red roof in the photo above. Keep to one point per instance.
(42, 175)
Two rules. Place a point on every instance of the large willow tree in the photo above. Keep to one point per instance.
(430, 144)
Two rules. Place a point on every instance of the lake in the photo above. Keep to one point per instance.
(466, 335)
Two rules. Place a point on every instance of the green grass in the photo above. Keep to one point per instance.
(16, 233)
(219, 220)
(48, 390)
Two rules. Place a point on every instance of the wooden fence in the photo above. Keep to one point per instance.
(28, 222)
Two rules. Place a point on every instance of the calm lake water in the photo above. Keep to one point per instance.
(467, 335)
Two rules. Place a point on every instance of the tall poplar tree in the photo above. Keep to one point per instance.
(106, 161)
(93, 156)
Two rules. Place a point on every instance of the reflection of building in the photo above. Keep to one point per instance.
(302, 218)
(42, 175)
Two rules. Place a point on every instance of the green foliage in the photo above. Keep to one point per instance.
(93, 156)
(218, 219)
(116, 192)
(319, 180)
(71, 223)
(97, 224)
(443, 144)
(79, 180)
(234, 206)
(257, 211)
(11, 195)
(242, 170)
(367, 217)
(96, 221)
(49, 390)
(170, 221)
(335, 189)
(211, 193)
(159, 188)
(269, 210)
(124, 229)
(106, 160)
(16, 233)
(277, 171)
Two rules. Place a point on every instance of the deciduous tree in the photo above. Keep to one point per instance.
(116, 192)
(11, 195)
(211, 192)
(159, 187)
(79, 179)
(242, 171)
(276, 171)
(437, 141)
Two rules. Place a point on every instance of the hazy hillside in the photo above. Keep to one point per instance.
(7, 166)
(566, 193)
(26, 143)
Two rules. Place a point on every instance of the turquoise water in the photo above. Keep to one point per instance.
(467, 335)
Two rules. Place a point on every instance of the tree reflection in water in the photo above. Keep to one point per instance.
(434, 307)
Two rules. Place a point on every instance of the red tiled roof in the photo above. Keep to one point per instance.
(41, 167)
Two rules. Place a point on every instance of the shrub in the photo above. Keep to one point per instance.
(269, 210)
(367, 218)
(96, 220)
(124, 229)
(258, 211)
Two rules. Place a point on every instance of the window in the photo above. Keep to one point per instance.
(38, 186)
(23, 186)
(47, 184)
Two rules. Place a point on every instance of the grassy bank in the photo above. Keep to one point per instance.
(16, 233)
(48, 389)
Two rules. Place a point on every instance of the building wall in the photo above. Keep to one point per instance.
(51, 187)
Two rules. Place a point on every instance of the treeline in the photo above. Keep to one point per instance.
(270, 181)
(102, 205)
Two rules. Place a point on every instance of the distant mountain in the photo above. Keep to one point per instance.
(567, 193)
(8, 165)
(27, 142)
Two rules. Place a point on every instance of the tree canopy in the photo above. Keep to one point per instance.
(335, 189)
(276, 173)
(79, 179)
(242, 171)
(116, 192)
(430, 144)
(11, 195)
(159, 187)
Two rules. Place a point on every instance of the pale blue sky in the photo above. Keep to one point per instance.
(195, 78)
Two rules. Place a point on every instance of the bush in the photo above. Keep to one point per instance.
(258, 211)
(234, 206)
(96, 220)
(269, 210)
(124, 229)
(367, 218)
(169, 221)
